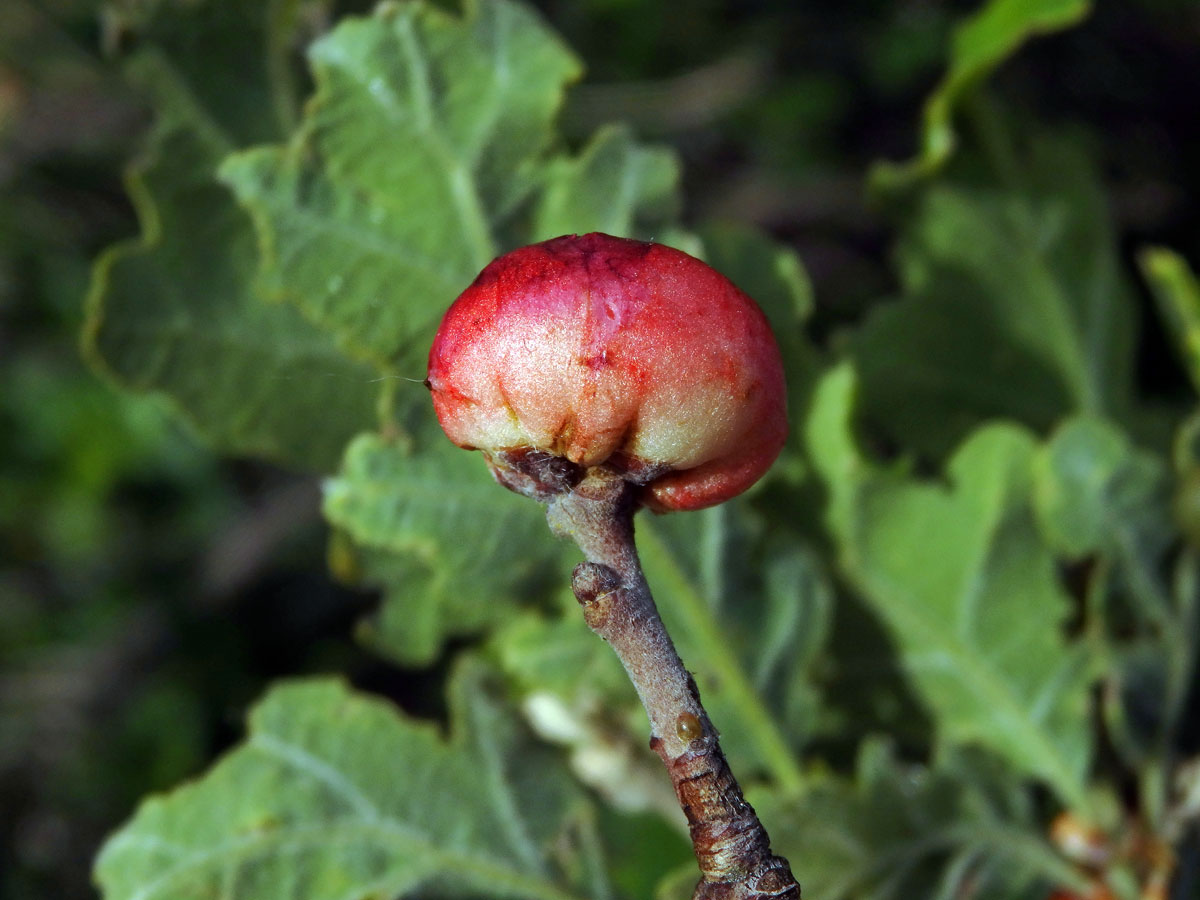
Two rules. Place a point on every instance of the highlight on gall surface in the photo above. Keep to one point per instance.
(603, 350)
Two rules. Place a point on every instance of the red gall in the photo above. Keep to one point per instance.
(600, 350)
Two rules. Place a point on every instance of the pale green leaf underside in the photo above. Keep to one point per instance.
(450, 545)
(961, 577)
(425, 135)
(336, 796)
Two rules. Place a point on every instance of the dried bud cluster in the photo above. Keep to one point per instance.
(605, 351)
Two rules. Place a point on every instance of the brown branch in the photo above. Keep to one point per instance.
(731, 846)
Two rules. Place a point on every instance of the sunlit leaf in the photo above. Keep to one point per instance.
(425, 135)
(336, 795)
(450, 547)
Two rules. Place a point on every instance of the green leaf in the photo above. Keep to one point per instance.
(1013, 306)
(641, 848)
(454, 551)
(336, 795)
(237, 59)
(561, 655)
(1095, 492)
(980, 44)
(897, 831)
(175, 310)
(1097, 495)
(1178, 293)
(768, 271)
(967, 588)
(575, 694)
(426, 135)
(614, 185)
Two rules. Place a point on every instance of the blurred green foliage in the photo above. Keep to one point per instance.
(962, 607)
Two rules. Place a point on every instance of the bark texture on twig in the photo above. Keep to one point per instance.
(731, 846)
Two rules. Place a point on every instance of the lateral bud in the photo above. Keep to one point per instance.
(593, 585)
